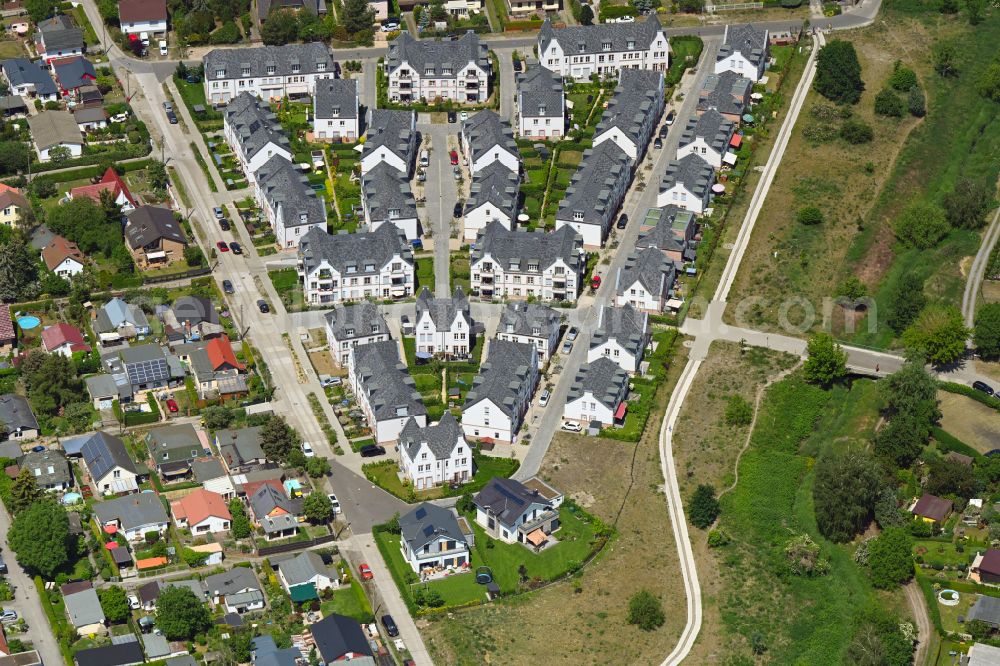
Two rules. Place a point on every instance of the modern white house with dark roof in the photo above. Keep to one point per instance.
(443, 326)
(335, 110)
(291, 206)
(687, 183)
(520, 264)
(387, 199)
(707, 136)
(384, 389)
(350, 267)
(645, 281)
(532, 324)
(487, 138)
(111, 468)
(438, 70)
(432, 539)
(541, 104)
(596, 193)
(493, 197)
(133, 515)
(745, 51)
(434, 454)
(254, 134)
(632, 112)
(622, 335)
(391, 137)
(352, 325)
(17, 421)
(604, 49)
(501, 393)
(516, 512)
(597, 393)
(267, 72)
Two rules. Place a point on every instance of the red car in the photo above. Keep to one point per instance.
(172, 406)
(222, 246)
(366, 572)
(454, 157)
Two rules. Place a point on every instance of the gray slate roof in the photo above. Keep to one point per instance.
(385, 380)
(285, 187)
(253, 124)
(231, 582)
(589, 191)
(507, 499)
(15, 412)
(426, 523)
(528, 247)
(710, 126)
(441, 438)
(84, 608)
(149, 224)
(539, 93)
(625, 325)
(485, 130)
(673, 231)
(310, 58)
(726, 93)
(49, 467)
(59, 34)
(443, 311)
(746, 40)
(497, 185)
(529, 319)
(650, 268)
(303, 568)
(52, 128)
(357, 250)
(603, 379)
(132, 510)
(240, 446)
(385, 189)
(577, 40)
(337, 94)
(694, 173)
(21, 71)
(508, 366)
(356, 320)
(636, 97)
(117, 312)
(392, 129)
(428, 54)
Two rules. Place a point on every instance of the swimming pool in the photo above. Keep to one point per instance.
(28, 322)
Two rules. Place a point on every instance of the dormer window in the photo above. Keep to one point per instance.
(606, 46)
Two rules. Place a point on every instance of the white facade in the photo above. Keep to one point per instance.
(426, 471)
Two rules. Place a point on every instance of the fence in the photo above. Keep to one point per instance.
(298, 545)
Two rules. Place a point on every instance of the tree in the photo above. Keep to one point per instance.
(14, 156)
(24, 491)
(906, 300)
(357, 15)
(915, 103)
(586, 15)
(826, 362)
(114, 603)
(739, 411)
(921, 224)
(281, 27)
(40, 538)
(18, 270)
(180, 614)
(809, 215)
(986, 333)
(888, 103)
(966, 206)
(704, 507)
(39, 10)
(903, 78)
(944, 53)
(844, 493)
(240, 525)
(856, 132)
(317, 467)
(838, 73)
(989, 82)
(938, 333)
(278, 439)
(217, 417)
(889, 556)
(645, 611)
(974, 10)
(317, 508)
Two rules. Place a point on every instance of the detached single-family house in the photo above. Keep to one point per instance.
(687, 183)
(29, 79)
(240, 449)
(143, 16)
(516, 512)
(493, 197)
(622, 335)
(432, 539)
(154, 237)
(385, 390)
(435, 454)
(55, 129)
(598, 394)
(112, 183)
(63, 257)
(387, 199)
(438, 70)
(84, 610)
(117, 320)
(305, 576)
(728, 93)
(237, 589)
(501, 393)
(13, 205)
(58, 37)
(72, 74)
(531, 323)
(17, 421)
(50, 469)
(708, 136)
(290, 204)
(645, 281)
(391, 137)
(254, 134)
(595, 193)
(487, 138)
(632, 112)
(541, 104)
(64, 340)
(341, 639)
(443, 326)
(744, 51)
(605, 49)
(202, 512)
(111, 468)
(932, 509)
(349, 326)
(335, 110)
(173, 447)
(132, 515)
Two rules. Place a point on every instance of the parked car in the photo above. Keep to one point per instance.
(983, 386)
(453, 156)
(457, 212)
(263, 306)
(622, 221)
(543, 399)
(221, 245)
(372, 450)
(307, 450)
(236, 248)
(670, 118)
(227, 286)
(224, 224)
(365, 571)
(572, 333)
(219, 214)
(567, 347)
(571, 426)
(658, 143)
(390, 626)
(172, 406)
(452, 117)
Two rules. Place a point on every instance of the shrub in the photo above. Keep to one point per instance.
(888, 103)
(856, 132)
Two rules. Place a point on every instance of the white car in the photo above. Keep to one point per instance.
(308, 450)
(571, 426)
(133, 602)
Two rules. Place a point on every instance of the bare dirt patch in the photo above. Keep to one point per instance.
(974, 423)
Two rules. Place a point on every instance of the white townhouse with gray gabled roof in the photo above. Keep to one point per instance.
(291, 206)
(493, 197)
(595, 193)
(431, 70)
(254, 134)
(487, 138)
(597, 393)
(391, 137)
(387, 199)
(353, 325)
(687, 183)
(267, 72)
(707, 136)
(541, 105)
(531, 323)
(443, 326)
(622, 335)
(644, 282)
(745, 50)
(501, 393)
(434, 454)
(385, 391)
(335, 110)
(518, 264)
(633, 112)
(350, 267)
(604, 49)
